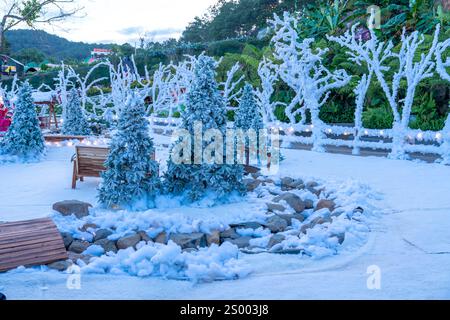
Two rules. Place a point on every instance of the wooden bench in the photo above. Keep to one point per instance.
(30, 243)
(88, 162)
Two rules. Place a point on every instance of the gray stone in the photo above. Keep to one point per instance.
(107, 245)
(144, 236)
(60, 265)
(247, 225)
(286, 184)
(79, 246)
(70, 207)
(341, 237)
(229, 234)
(276, 224)
(326, 204)
(320, 220)
(294, 201)
(213, 238)
(287, 251)
(275, 207)
(305, 228)
(276, 239)
(242, 242)
(189, 240)
(309, 204)
(312, 184)
(67, 239)
(74, 257)
(128, 241)
(251, 184)
(162, 238)
(89, 226)
(288, 218)
(102, 234)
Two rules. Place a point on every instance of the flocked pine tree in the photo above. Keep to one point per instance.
(24, 138)
(197, 177)
(132, 175)
(248, 117)
(75, 122)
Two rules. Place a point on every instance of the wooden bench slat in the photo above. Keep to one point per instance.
(28, 243)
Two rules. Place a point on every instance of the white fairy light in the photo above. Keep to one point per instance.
(382, 133)
(438, 136)
(420, 136)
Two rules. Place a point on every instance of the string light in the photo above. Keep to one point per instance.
(420, 136)
(438, 136)
(366, 132)
(382, 133)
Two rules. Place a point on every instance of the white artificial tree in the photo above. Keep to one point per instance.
(360, 52)
(441, 66)
(268, 75)
(303, 70)
(377, 55)
(230, 85)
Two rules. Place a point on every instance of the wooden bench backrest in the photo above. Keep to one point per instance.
(91, 160)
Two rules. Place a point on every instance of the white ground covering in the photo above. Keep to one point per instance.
(409, 238)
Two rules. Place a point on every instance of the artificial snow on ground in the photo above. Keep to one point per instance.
(408, 240)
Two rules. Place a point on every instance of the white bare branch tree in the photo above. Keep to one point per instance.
(268, 75)
(441, 67)
(303, 70)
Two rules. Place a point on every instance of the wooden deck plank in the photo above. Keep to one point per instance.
(30, 243)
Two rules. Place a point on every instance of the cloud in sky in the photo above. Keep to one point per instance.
(125, 21)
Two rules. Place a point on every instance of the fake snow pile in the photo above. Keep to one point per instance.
(201, 243)
(169, 261)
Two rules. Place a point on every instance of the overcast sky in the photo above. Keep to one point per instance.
(121, 21)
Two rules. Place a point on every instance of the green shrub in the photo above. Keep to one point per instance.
(378, 118)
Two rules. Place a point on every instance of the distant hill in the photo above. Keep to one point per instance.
(51, 45)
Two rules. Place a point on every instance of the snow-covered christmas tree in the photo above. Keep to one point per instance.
(205, 107)
(132, 175)
(24, 138)
(75, 122)
(248, 119)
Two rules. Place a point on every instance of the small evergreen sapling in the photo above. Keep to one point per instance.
(248, 119)
(131, 177)
(195, 178)
(75, 122)
(24, 138)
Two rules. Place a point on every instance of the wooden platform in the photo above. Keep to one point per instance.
(61, 138)
(30, 243)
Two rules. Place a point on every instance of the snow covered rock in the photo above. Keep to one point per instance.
(128, 241)
(294, 201)
(275, 207)
(79, 246)
(229, 234)
(189, 240)
(326, 204)
(276, 224)
(72, 207)
(60, 265)
(251, 184)
(288, 184)
(102, 234)
(67, 239)
(241, 242)
(162, 238)
(247, 225)
(213, 238)
(107, 245)
(276, 239)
